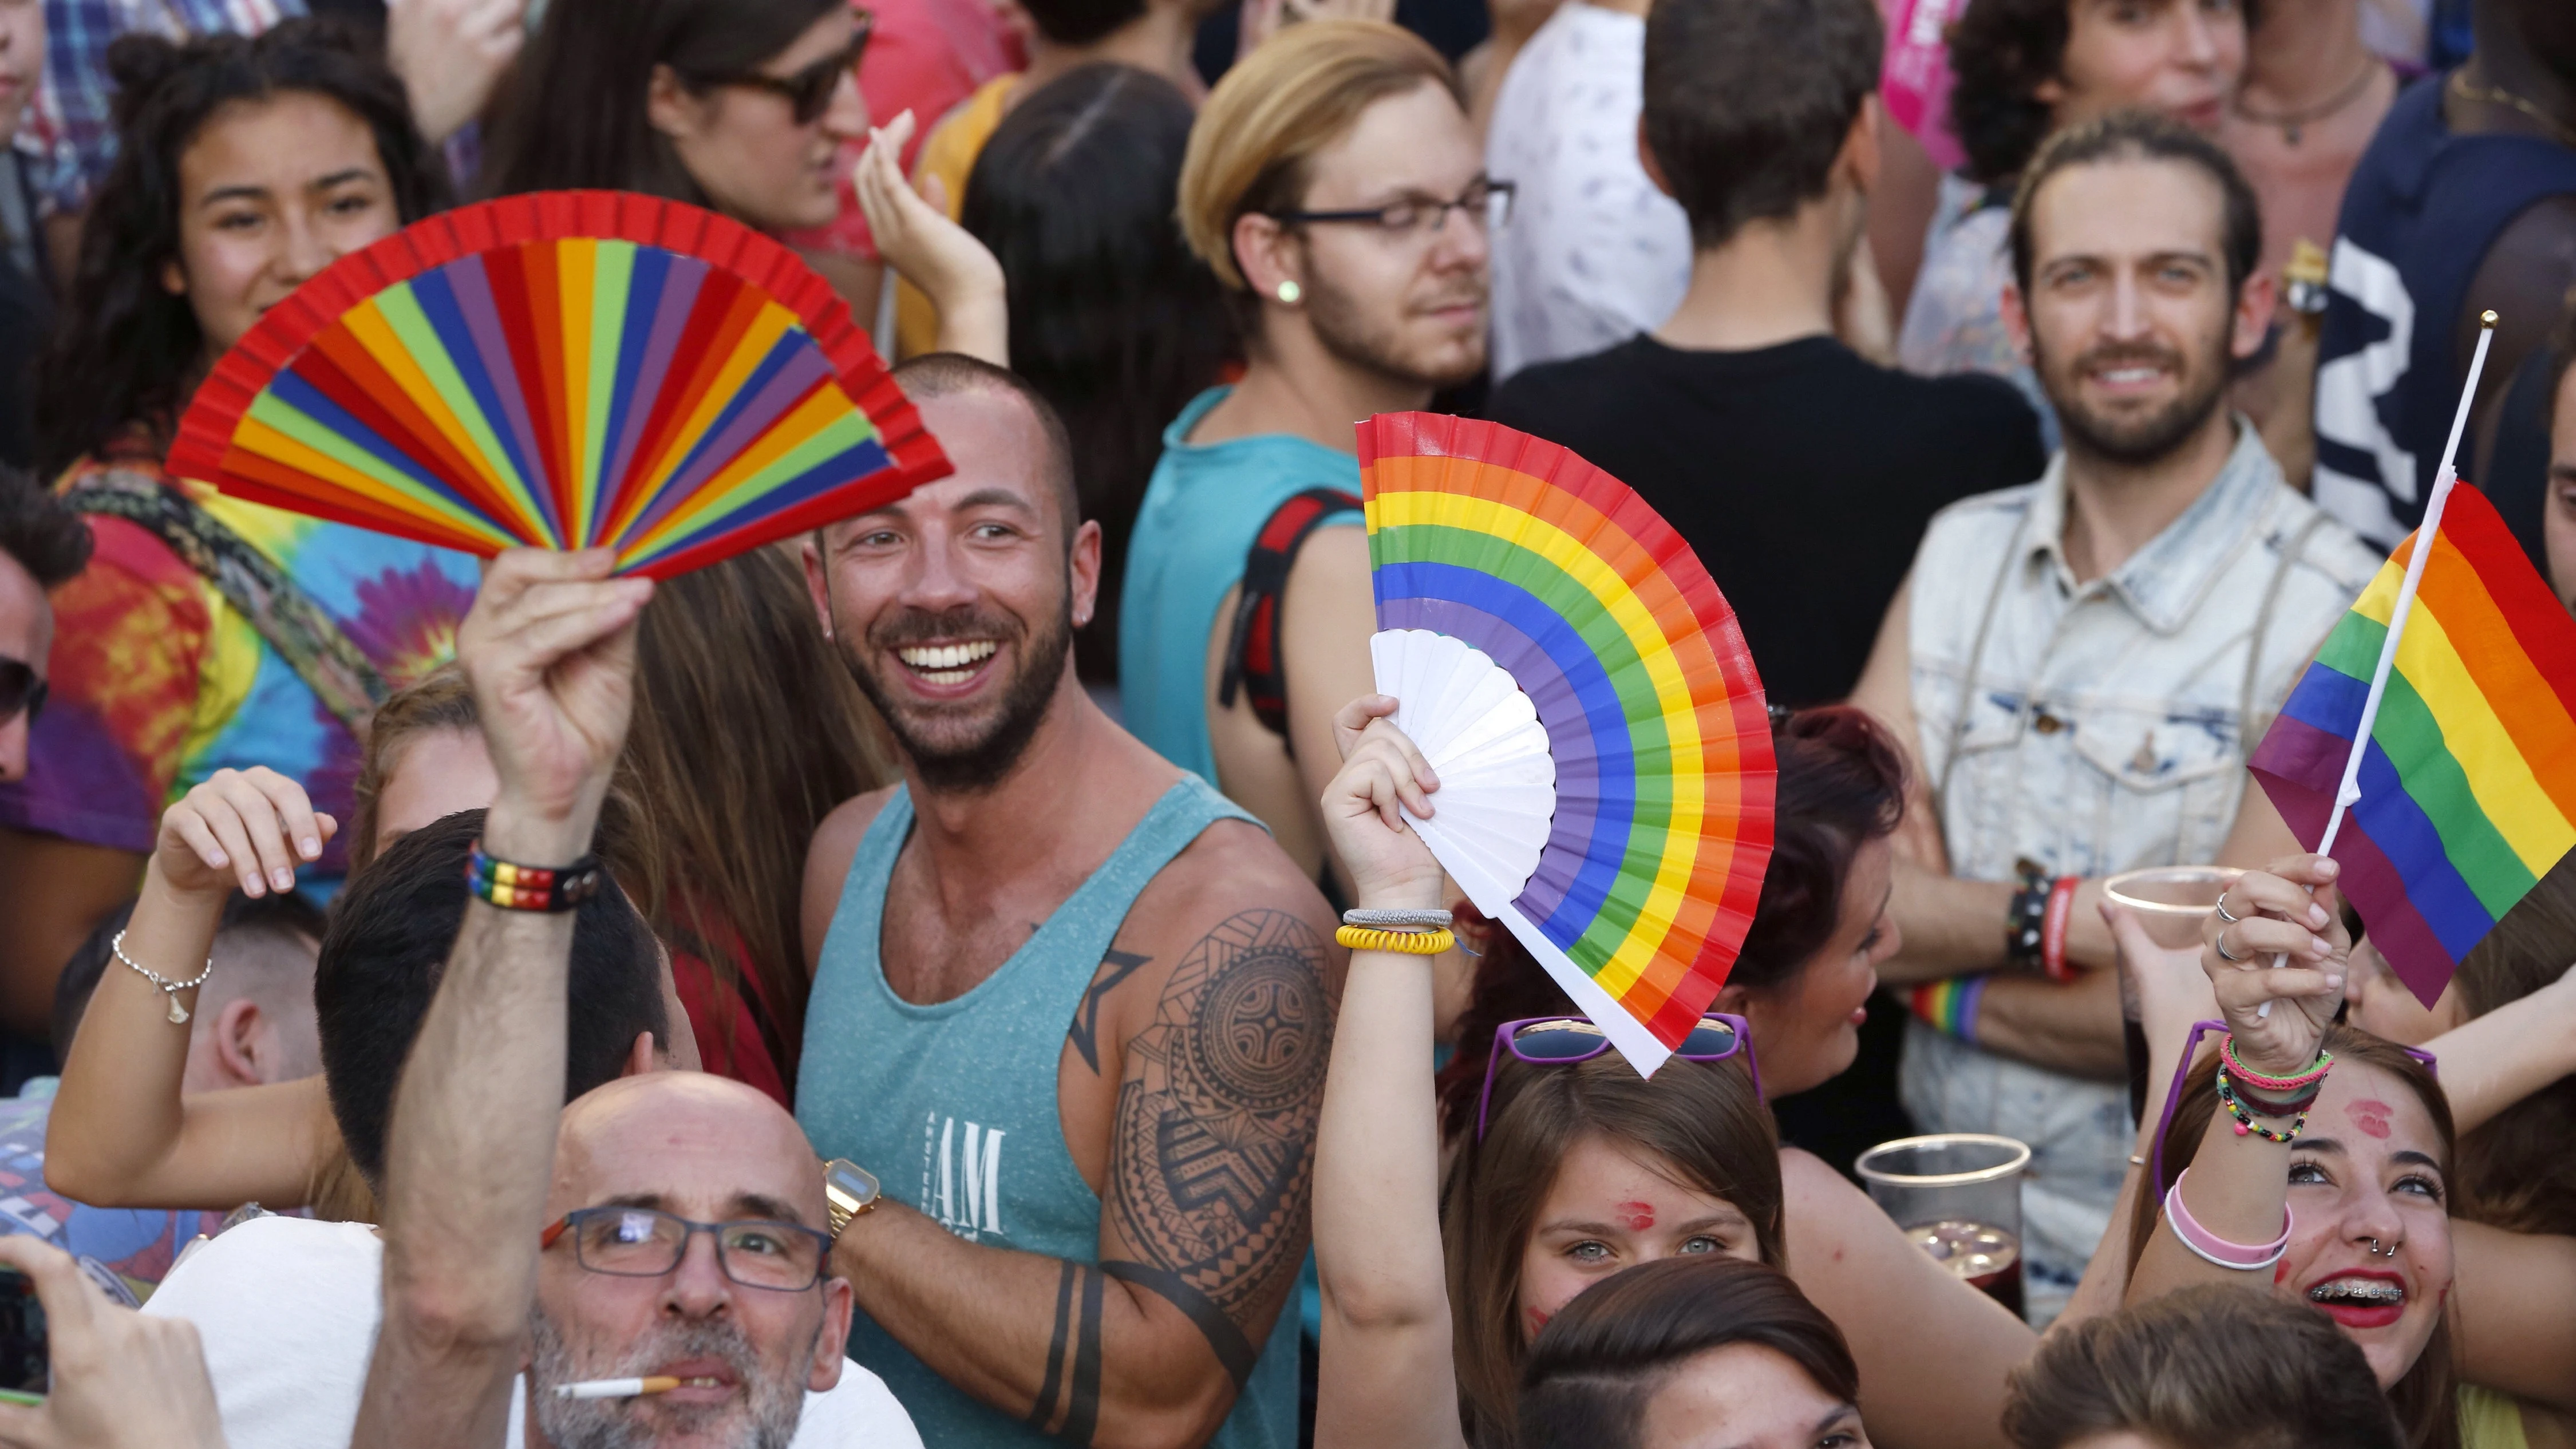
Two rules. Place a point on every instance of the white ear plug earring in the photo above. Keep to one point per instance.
(1289, 292)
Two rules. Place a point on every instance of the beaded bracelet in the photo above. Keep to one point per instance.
(2236, 1068)
(529, 887)
(2245, 1122)
(1408, 943)
(1949, 1006)
(1398, 920)
(2026, 918)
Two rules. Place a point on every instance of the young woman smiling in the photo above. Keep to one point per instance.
(207, 633)
(2348, 1205)
(1566, 1171)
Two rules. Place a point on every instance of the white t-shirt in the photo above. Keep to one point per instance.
(288, 1309)
(1594, 253)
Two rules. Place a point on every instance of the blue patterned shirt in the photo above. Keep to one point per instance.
(78, 92)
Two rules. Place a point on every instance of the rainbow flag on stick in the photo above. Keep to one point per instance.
(2459, 769)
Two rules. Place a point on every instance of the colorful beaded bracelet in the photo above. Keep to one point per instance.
(2236, 1068)
(1409, 943)
(2245, 1122)
(528, 887)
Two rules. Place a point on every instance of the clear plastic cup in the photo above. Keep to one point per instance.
(1958, 1197)
(2171, 901)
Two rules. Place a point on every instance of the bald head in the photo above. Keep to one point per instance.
(935, 376)
(689, 1143)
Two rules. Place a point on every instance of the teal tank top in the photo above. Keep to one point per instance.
(1202, 509)
(953, 1105)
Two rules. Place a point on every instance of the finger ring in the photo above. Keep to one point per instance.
(2223, 913)
(2226, 955)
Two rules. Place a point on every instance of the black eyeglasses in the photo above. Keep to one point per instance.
(21, 688)
(1487, 202)
(640, 1242)
(809, 91)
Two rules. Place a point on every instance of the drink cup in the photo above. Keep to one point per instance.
(1958, 1197)
(2171, 902)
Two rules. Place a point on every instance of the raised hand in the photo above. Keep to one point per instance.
(121, 1380)
(924, 247)
(450, 55)
(1382, 776)
(248, 828)
(2276, 915)
(550, 646)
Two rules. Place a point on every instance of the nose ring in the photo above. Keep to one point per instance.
(2377, 1251)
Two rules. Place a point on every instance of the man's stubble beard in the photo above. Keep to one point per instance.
(1345, 328)
(980, 763)
(2147, 440)
(775, 1407)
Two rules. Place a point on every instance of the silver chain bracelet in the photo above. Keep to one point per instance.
(169, 988)
(1397, 920)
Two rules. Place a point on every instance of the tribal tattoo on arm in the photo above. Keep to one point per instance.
(1212, 1154)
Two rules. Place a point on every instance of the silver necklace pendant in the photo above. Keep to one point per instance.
(178, 1013)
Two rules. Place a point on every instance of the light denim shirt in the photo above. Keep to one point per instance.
(2094, 728)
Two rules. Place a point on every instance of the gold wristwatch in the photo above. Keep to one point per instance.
(848, 1191)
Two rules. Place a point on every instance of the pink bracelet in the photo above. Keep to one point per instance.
(2247, 1076)
(2236, 1257)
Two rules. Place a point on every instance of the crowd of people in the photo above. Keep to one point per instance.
(406, 959)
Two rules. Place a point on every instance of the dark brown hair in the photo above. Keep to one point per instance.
(748, 731)
(2178, 1370)
(2425, 1398)
(1702, 1123)
(2515, 1172)
(1748, 102)
(47, 539)
(126, 351)
(1598, 1364)
(2144, 136)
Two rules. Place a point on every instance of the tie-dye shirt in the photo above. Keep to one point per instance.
(158, 682)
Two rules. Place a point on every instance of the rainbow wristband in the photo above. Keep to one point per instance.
(528, 887)
(1950, 1006)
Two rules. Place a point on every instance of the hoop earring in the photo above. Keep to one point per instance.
(1289, 292)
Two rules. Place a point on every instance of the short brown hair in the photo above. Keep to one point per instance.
(1601, 1361)
(948, 374)
(2144, 136)
(441, 700)
(1704, 1120)
(1748, 103)
(1292, 97)
(2211, 1367)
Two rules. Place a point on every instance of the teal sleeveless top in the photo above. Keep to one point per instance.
(953, 1105)
(1202, 509)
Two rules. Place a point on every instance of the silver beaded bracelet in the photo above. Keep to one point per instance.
(169, 988)
(1397, 920)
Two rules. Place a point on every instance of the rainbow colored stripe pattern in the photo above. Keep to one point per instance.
(1655, 716)
(2468, 785)
(564, 369)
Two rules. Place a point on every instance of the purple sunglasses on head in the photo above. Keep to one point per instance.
(1561, 1041)
(2182, 1070)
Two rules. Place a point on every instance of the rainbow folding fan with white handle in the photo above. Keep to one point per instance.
(564, 369)
(1568, 667)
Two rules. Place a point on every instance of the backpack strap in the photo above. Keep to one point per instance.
(1252, 661)
(285, 616)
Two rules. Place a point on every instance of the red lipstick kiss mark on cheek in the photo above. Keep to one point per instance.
(1638, 1216)
(2369, 1116)
(1536, 1318)
(2281, 1274)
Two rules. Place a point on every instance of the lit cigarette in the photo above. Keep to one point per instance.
(618, 1388)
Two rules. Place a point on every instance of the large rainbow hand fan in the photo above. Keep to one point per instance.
(1566, 664)
(566, 369)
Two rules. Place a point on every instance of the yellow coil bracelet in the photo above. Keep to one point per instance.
(1410, 943)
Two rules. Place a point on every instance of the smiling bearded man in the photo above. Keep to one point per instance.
(2082, 664)
(1069, 1006)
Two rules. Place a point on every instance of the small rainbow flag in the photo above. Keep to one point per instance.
(2468, 786)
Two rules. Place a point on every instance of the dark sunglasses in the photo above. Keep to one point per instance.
(2182, 1073)
(21, 688)
(1561, 1041)
(809, 91)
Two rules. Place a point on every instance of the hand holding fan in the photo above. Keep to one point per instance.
(1565, 663)
(568, 370)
